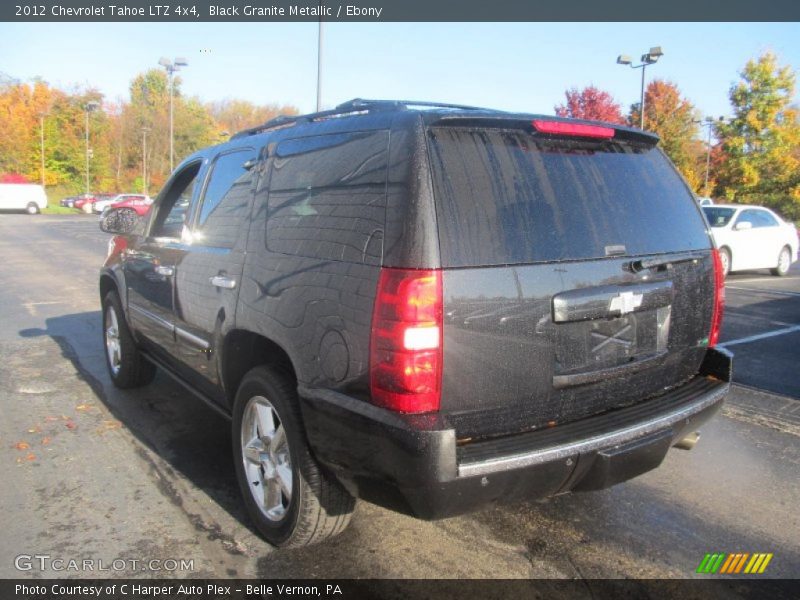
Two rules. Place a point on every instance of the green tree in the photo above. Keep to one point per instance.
(672, 117)
(761, 141)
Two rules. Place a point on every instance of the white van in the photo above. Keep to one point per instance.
(29, 197)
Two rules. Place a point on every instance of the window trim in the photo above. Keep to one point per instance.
(157, 203)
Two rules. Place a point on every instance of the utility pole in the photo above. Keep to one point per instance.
(319, 66)
(89, 107)
(41, 132)
(144, 160)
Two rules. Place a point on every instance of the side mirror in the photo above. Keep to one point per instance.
(119, 221)
(743, 226)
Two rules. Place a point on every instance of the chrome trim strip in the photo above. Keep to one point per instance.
(662, 421)
(192, 339)
(153, 317)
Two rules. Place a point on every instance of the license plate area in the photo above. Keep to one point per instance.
(585, 346)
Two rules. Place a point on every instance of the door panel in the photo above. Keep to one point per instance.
(208, 276)
(150, 264)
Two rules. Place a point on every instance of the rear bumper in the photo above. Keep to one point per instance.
(412, 463)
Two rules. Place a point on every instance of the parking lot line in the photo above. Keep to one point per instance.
(757, 291)
(761, 336)
(766, 280)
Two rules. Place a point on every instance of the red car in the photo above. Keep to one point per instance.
(136, 202)
(83, 199)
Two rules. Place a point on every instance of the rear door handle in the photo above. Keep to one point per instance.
(221, 281)
(165, 271)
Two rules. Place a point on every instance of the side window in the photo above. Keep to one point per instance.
(764, 219)
(747, 216)
(173, 207)
(226, 200)
(327, 197)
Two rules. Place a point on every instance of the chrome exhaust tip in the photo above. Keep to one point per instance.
(688, 442)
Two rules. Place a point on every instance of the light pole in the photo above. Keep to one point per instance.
(88, 107)
(319, 66)
(647, 59)
(41, 133)
(144, 159)
(709, 123)
(171, 67)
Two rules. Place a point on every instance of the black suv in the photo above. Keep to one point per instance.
(430, 307)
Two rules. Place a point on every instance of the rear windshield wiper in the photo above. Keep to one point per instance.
(664, 261)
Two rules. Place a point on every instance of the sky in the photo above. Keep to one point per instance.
(510, 66)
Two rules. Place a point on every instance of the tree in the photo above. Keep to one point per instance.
(761, 140)
(672, 117)
(236, 115)
(590, 103)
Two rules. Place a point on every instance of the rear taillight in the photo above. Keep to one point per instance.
(406, 342)
(719, 300)
(573, 129)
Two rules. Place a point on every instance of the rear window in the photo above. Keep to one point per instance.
(717, 216)
(507, 197)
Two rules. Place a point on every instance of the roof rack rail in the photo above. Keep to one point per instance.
(356, 105)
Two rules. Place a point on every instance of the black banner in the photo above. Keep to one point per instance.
(405, 589)
(394, 10)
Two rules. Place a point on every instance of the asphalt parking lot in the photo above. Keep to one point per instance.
(91, 472)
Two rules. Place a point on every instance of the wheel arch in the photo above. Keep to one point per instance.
(242, 350)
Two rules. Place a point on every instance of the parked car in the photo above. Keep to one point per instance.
(704, 201)
(432, 308)
(83, 200)
(137, 203)
(29, 197)
(752, 237)
(103, 200)
(69, 201)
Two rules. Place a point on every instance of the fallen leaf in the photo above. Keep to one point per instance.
(84, 407)
(34, 429)
(22, 445)
(30, 457)
(45, 441)
(70, 425)
(51, 419)
(108, 425)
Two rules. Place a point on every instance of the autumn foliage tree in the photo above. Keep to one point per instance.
(671, 116)
(760, 143)
(590, 103)
(116, 132)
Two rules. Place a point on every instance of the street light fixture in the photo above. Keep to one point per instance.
(649, 58)
(171, 67)
(709, 123)
(88, 107)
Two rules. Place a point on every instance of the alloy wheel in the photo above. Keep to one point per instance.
(266, 458)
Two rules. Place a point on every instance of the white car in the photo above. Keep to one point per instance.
(752, 237)
(22, 196)
(100, 205)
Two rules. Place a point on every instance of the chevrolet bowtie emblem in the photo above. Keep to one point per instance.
(626, 302)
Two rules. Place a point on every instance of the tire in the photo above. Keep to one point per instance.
(289, 497)
(32, 208)
(126, 365)
(784, 262)
(725, 259)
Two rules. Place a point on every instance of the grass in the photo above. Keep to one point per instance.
(55, 209)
